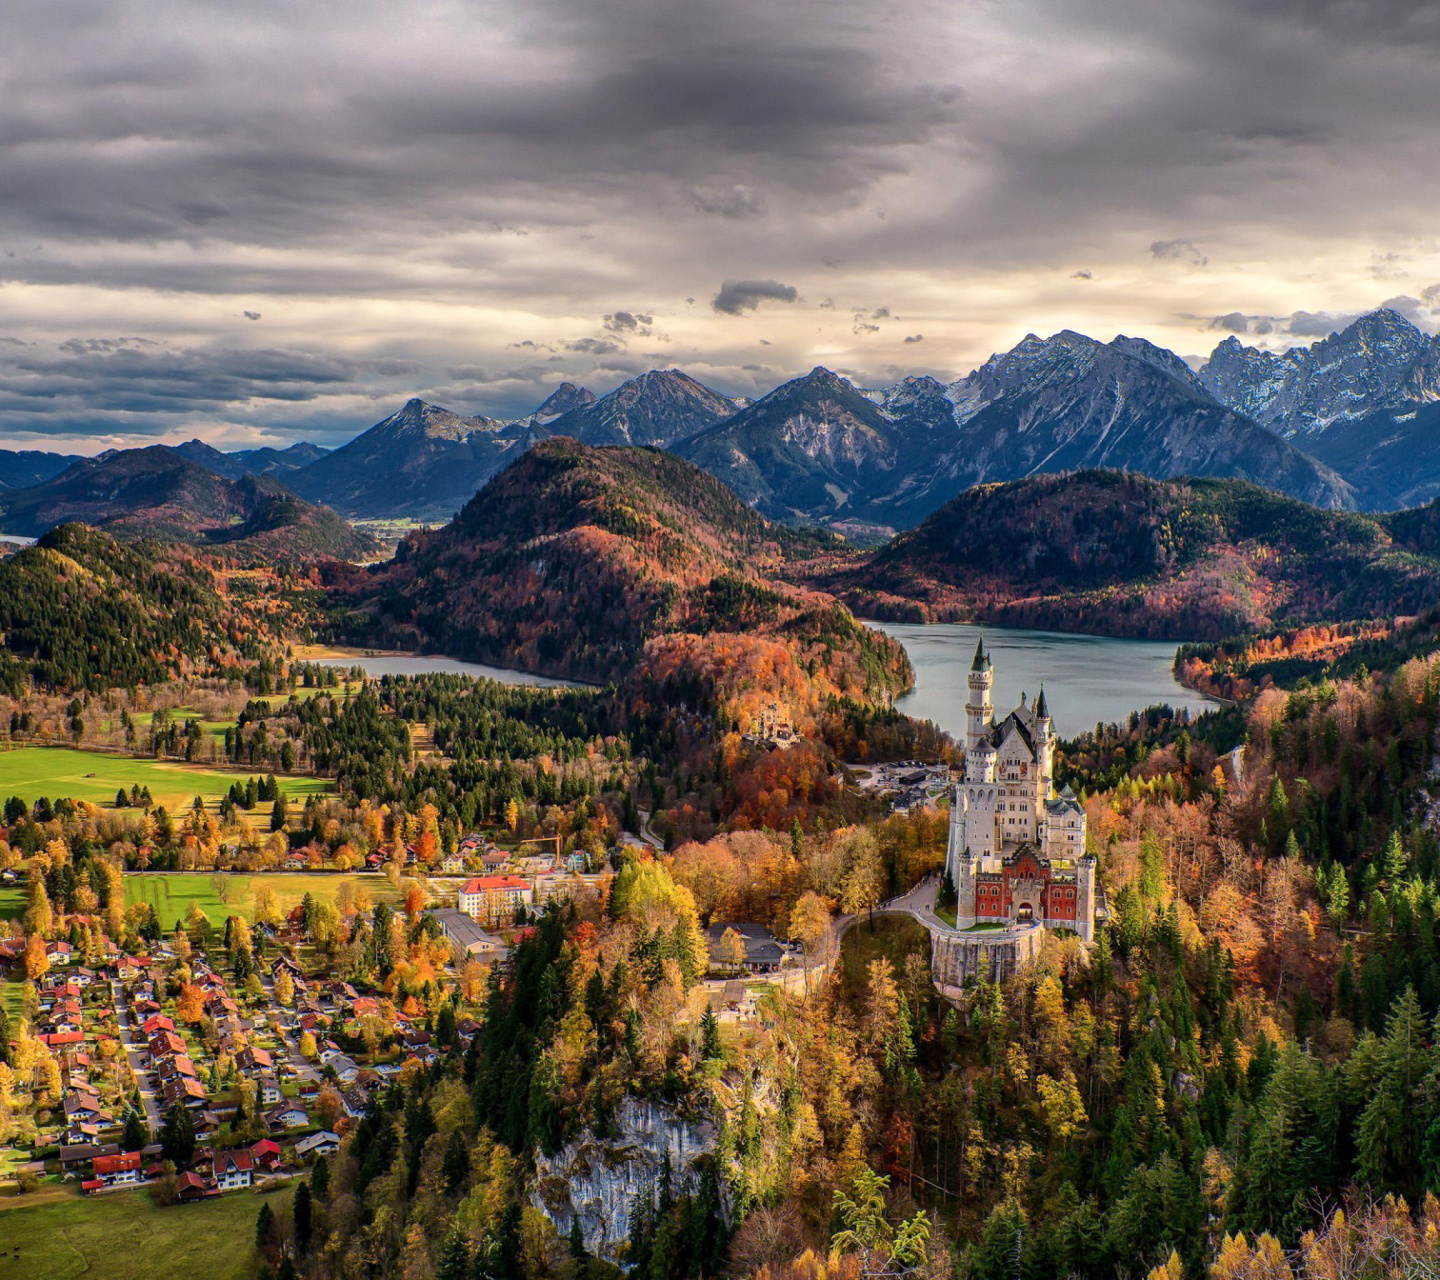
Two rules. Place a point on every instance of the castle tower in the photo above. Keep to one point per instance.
(1044, 747)
(978, 712)
(1085, 897)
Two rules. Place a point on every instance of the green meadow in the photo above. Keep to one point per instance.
(125, 1236)
(172, 892)
(61, 772)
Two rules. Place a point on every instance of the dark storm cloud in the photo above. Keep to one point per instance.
(544, 159)
(1232, 322)
(92, 385)
(734, 202)
(738, 296)
(1178, 251)
(628, 322)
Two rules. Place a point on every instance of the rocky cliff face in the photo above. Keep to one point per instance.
(658, 408)
(602, 1180)
(1379, 362)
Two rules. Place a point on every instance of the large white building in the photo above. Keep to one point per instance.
(1017, 850)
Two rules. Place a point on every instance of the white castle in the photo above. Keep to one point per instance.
(1017, 850)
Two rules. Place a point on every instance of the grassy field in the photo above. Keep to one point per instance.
(58, 772)
(12, 907)
(172, 892)
(123, 1236)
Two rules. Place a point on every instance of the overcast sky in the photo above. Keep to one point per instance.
(267, 221)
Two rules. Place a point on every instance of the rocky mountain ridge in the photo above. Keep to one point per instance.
(1345, 423)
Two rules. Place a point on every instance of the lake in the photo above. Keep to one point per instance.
(415, 664)
(1088, 679)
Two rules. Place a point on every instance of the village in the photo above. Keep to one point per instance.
(167, 1070)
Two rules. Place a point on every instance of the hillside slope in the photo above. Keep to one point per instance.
(658, 408)
(422, 461)
(158, 492)
(80, 610)
(1116, 554)
(815, 448)
(576, 561)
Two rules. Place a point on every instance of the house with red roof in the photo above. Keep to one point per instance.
(118, 1170)
(233, 1170)
(494, 899)
(190, 1186)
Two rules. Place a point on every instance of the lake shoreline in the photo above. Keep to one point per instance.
(427, 664)
(1088, 679)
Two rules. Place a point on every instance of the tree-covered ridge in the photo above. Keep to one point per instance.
(574, 558)
(158, 492)
(1126, 555)
(80, 610)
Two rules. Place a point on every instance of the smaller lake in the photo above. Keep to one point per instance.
(1087, 679)
(415, 664)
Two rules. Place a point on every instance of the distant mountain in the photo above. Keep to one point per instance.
(159, 492)
(1117, 554)
(19, 469)
(817, 448)
(1381, 361)
(423, 462)
(204, 455)
(563, 399)
(1069, 402)
(658, 408)
(1358, 400)
(265, 460)
(599, 554)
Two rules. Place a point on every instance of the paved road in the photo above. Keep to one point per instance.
(646, 834)
(299, 1064)
(918, 903)
(131, 1039)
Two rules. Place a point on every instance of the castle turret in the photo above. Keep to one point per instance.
(979, 715)
(1044, 745)
(1085, 897)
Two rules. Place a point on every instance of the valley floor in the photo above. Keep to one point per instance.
(126, 1236)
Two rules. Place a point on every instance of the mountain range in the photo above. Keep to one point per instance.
(1348, 423)
(1337, 424)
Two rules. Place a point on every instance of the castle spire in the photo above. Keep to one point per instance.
(1041, 709)
(982, 659)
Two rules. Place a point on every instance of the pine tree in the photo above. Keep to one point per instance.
(320, 1178)
(711, 1047)
(304, 1218)
(1385, 1135)
(456, 1165)
(264, 1226)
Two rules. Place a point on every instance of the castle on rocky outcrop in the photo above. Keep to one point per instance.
(1017, 850)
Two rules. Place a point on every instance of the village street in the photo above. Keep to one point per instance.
(133, 1041)
(299, 1065)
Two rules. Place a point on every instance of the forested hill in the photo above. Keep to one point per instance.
(81, 611)
(159, 492)
(1121, 554)
(575, 560)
